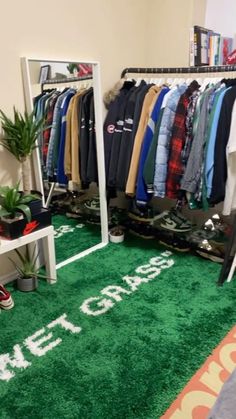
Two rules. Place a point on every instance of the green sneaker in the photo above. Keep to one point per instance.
(172, 220)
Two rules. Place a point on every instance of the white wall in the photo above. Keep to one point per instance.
(221, 16)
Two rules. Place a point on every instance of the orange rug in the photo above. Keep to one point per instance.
(200, 394)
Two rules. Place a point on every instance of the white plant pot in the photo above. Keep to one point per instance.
(116, 239)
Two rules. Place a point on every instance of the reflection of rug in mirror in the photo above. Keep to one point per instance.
(73, 236)
(118, 336)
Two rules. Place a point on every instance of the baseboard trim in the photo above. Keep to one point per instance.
(5, 279)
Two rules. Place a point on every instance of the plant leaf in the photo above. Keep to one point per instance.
(20, 133)
(26, 211)
(21, 257)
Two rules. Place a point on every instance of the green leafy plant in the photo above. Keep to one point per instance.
(12, 201)
(20, 139)
(71, 67)
(28, 267)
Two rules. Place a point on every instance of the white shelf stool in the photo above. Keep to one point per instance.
(47, 236)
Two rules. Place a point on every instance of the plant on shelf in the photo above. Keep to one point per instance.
(20, 139)
(72, 67)
(28, 270)
(14, 205)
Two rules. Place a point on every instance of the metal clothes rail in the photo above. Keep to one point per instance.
(67, 80)
(196, 70)
(178, 70)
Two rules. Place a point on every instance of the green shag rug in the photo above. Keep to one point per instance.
(129, 362)
(73, 236)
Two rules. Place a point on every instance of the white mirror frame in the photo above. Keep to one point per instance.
(99, 144)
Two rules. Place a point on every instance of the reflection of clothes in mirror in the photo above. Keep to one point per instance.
(67, 144)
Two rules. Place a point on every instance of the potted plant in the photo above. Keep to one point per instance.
(28, 271)
(116, 231)
(16, 213)
(14, 205)
(20, 139)
(72, 68)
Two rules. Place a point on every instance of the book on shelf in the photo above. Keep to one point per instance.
(199, 40)
(208, 47)
(226, 48)
(214, 48)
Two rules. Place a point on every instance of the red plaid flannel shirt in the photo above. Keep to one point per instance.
(175, 165)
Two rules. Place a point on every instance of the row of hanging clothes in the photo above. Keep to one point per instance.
(67, 143)
(170, 138)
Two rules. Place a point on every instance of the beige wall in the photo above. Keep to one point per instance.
(169, 22)
(104, 30)
(101, 30)
(117, 33)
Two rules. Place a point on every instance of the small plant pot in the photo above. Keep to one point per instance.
(9, 220)
(116, 235)
(27, 284)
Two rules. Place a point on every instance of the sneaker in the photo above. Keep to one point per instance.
(175, 243)
(140, 213)
(172, 220)
(92, 204)
(6, 301)
(214, 231)
(74, 215)
(63, 203)
(145, 231)
(89, 206)
(196, 237)
(221, 229)
(209, 250)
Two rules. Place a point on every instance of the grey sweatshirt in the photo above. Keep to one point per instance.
(192, 174)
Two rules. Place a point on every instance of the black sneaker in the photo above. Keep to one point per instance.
(145, 231)
(211, 251)
(140, 213)
(174, 241)
(214, 231)
(172, 220)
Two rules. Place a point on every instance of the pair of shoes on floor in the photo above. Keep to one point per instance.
(140, 213)
(90, 206)
(175, 242)
(172, 220)
(6, 301)
(219, 229)
(64, 202)
(211, 250)
(210, 241)
(139, 229)
(85, 206)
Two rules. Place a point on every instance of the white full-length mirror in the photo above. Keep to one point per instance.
(68, 165)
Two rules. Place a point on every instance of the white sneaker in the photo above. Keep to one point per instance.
(6, 301)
